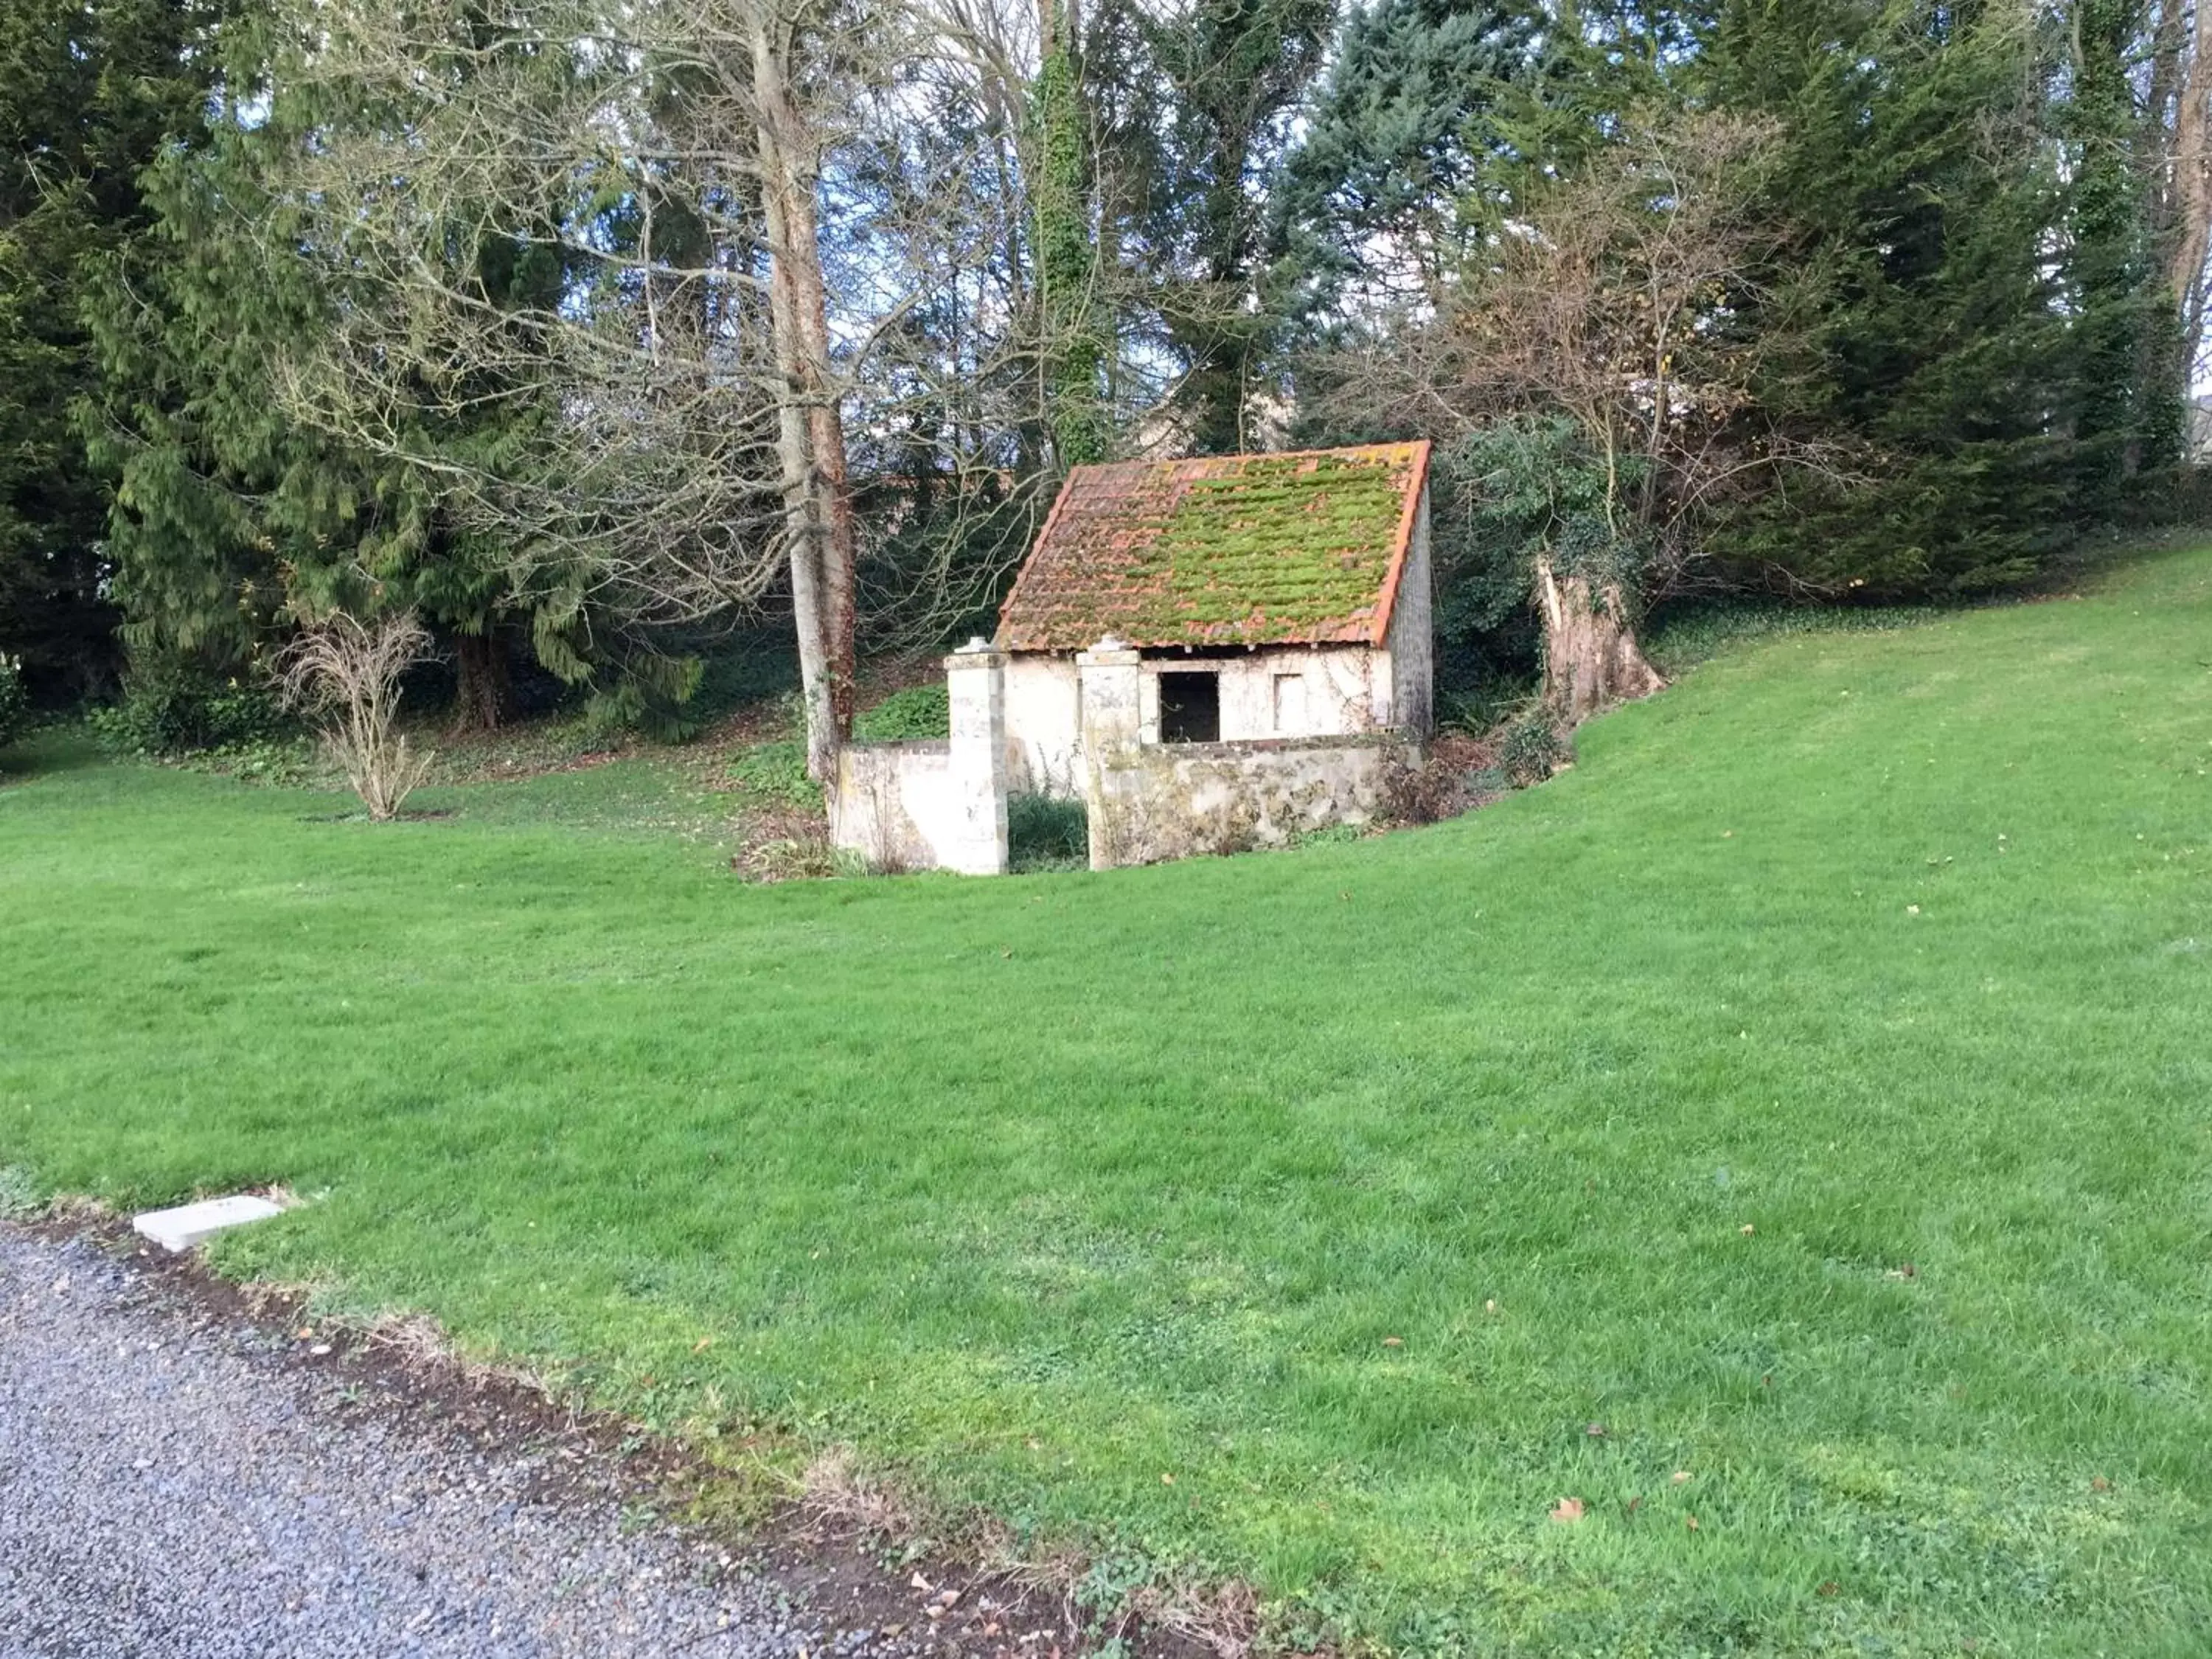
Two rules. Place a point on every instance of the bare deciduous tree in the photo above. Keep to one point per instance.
(1617, 303)
(344, 675)
(745, 265)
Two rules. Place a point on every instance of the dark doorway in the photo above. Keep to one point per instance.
(1190, 709)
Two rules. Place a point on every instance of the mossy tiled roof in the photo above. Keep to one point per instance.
(1221, 549)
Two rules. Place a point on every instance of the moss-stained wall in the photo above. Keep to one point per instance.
(1154, 802)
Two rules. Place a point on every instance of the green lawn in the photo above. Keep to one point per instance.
(1348, 1186)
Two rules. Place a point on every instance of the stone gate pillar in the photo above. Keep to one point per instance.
(976, 688)
(1108, 684)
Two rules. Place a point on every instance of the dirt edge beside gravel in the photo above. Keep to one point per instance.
(849, 1551)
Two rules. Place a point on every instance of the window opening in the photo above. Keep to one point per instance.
(1190, 709)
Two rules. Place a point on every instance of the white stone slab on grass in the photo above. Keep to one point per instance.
(188, 1224)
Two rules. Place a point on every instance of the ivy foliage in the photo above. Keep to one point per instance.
(1067, 268)
(918, 711)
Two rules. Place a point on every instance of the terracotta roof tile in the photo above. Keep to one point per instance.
(1303, 548)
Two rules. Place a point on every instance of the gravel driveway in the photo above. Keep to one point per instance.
(171, 1485)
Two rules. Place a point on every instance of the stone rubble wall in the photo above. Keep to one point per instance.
(1151, 803)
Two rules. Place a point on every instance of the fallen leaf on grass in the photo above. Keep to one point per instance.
(1690, 1521)
(1570, 1510)
(701, 1345)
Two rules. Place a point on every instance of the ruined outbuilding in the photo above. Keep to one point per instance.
(1215, 652)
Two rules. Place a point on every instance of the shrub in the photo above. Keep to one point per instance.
(1530, 749)
(920, 711)
(15, 709)
(174, 706)
(1044, 833)
(346, 674)
(1425, 791)
(775, 775)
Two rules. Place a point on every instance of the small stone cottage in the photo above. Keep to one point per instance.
(1211, 653)
(1266, 597)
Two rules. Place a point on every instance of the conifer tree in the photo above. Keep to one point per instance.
(232, 518)
(90, 91)
(1917, 188)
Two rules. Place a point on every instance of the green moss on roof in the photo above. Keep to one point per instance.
(1248, 550)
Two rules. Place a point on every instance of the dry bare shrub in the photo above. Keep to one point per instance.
(837, 1498)
(787, 843)
(344, 675)
(1223, 1619)
(1420, 789)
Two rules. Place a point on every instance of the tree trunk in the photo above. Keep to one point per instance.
(810, 432)
(825, 426)
(1591, 659)
(482, 691)
(2192, 165)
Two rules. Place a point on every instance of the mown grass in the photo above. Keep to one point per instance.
(1810, 1089)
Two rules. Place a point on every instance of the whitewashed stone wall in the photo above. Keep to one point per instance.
(1275, 692)
(1411, 640)
(933, 805)
(1044, 723)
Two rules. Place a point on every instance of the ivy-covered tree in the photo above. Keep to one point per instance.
(1075, 315)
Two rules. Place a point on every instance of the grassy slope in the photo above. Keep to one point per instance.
(1045, 1189)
